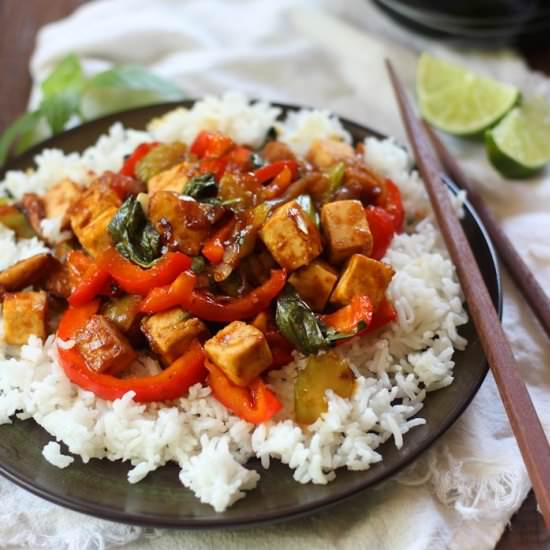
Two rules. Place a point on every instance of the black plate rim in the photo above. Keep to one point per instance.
(293, 512)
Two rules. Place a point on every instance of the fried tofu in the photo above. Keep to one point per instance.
(291, 236)
(346, 230)
(58, 281)
(25, 314)
(171, 332)
(91, 213)
(181, 222)
(362, 276)
(95, 237)
(103, 347)
(323, 153)
(25, 272)
(173, 179)
(314, 283)
(35, 212)
(274, 151)
(59, 198)
(240, 351)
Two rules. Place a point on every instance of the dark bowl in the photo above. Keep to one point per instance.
(100, 488)
(477, 22)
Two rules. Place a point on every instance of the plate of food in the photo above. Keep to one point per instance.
(221, 312)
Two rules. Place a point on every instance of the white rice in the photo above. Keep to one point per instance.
(301, 128)
(52, 230)
(52, 453)
(13, 251)
(395, 369)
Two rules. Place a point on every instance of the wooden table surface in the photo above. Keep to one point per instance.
(20, 20)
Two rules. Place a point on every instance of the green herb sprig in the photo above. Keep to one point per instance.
(67, 94)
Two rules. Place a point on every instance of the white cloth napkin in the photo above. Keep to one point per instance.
(462, 493)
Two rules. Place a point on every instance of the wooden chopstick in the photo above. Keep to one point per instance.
(522, 275)
(523, 418)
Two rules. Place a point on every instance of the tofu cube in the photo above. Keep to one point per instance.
(323, 153)
(59, 199)
(346, 229)
(91, 213)
(240, 351)
(95, 237)
(25, 272)
(171, 332)
(103, 347)
(173, 179)
(291, 236)
(314, 283)
(24, 315)
(176, 219)
(362, 276)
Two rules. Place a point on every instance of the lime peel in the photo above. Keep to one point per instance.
(459, 101)
(519, 146)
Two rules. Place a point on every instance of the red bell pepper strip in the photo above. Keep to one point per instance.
(214, 166)
(80, 267)
(169, 296)
(213, 308)
(239, 156)
(255, 403)
(271, 171)
(135, 280)
(214, 249)
(129, 166)
(78, 263)
(348, 317)
(385, 313)
(76, 318)
(94, 281)
(211, 145)
(130, 277)
(171, 383)
(281, 349)
(392, 203)
(381, 224)
(279, 184)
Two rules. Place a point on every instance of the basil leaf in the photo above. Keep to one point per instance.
(39, 132)
(201, 186)
(298, 323)
(134, 237)
(67, 75)
(124, 87)
(59, 108)
(23, 125)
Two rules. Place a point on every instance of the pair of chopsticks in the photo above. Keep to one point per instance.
(523, 418)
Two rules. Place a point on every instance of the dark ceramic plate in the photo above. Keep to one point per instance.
(100, 488)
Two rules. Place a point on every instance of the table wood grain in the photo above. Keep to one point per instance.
(19, 22)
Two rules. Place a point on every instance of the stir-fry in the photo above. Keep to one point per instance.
(215, 259)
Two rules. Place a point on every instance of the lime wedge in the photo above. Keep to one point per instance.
(458, 101)
(519, 145)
